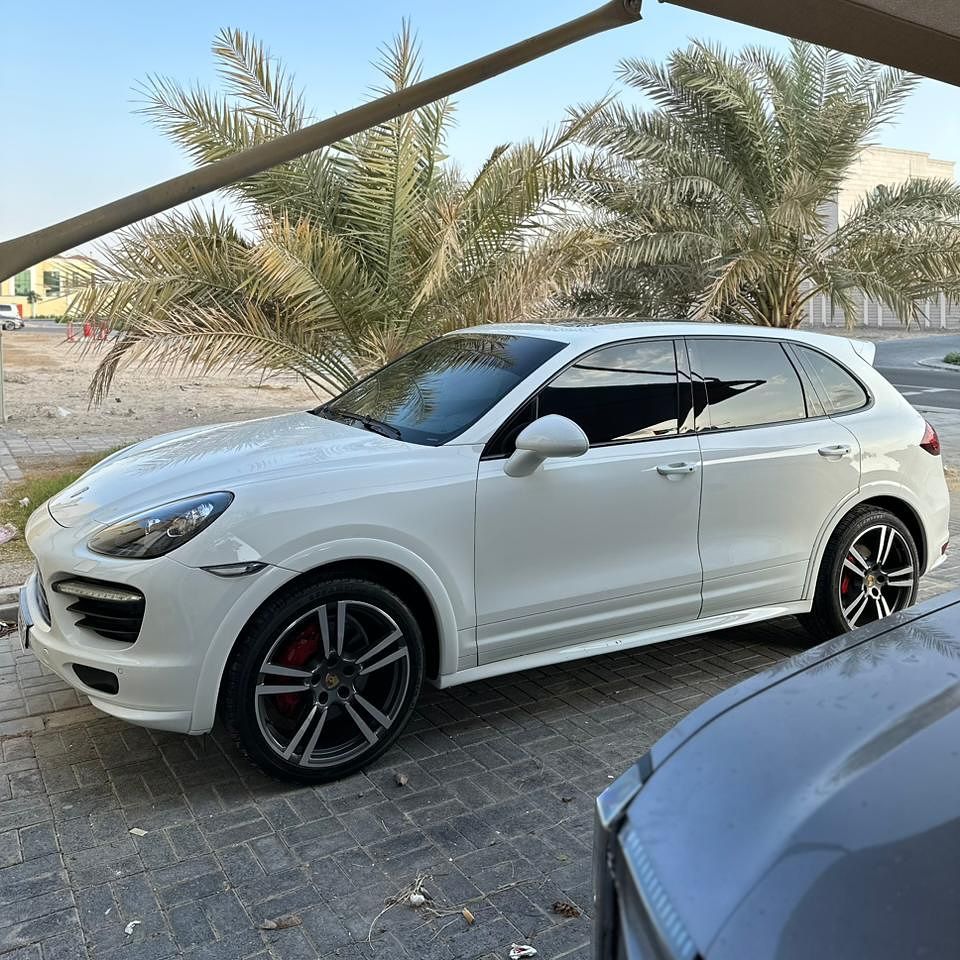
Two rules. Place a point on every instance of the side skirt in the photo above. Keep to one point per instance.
(626, 641)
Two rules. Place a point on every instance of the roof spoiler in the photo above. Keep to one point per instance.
(864, 349)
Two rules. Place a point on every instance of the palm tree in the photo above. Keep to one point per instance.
(351, 255)
(719, 199)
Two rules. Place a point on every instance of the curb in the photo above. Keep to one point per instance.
(926, 408)
(9, 603)
(938, 365)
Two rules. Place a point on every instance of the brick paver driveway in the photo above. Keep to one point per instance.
(495, 810)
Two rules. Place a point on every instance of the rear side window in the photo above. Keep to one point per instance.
(840, 391)
(618, 394)
(746, 383)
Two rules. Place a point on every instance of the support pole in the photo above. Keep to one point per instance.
(25, 251)
(3, 409)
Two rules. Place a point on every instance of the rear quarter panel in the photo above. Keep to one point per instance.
(894, 464)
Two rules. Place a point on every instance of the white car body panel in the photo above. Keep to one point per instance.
(756, 546)
(584, 555)
(624, 555)
(626, 641)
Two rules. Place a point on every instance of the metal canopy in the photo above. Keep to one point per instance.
(922, 36)
(22, 252)
(918, 35)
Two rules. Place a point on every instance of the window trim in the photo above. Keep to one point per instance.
(698, 429)
(823, 400)
(810, 391)
(783, 344)
(490, 454)
(684, 370)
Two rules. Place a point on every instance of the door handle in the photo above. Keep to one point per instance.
(835, 450)
(676, 469)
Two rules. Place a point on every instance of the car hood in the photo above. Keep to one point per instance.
(819, 816)
(221, 457)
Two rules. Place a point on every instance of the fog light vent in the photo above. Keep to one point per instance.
(101, 680)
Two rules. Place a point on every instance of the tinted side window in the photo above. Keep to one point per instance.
(840, 391)
(748, 383)
(620, 393)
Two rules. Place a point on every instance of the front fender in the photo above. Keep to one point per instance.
(266, 583)
(368, 548)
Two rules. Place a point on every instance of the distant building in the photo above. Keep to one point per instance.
(875, 166)
(47, 289)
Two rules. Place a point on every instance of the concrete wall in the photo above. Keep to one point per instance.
(939, 313)
(883, 165)
(886, 165)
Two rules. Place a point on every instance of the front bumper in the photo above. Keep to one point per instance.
(154, 689)
(169, 678)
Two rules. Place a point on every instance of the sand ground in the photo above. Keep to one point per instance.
(43, 372)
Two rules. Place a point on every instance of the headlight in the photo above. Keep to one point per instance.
(155, 532)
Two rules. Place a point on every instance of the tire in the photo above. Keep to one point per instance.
(9, 326)
(334, 712)
(854, 583)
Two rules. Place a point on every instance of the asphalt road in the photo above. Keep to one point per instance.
(922, 386)
(42, 326)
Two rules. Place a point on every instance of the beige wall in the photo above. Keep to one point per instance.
(72, 272)
(878, 165)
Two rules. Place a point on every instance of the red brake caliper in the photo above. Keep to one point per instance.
(845, 584)
(298, 652)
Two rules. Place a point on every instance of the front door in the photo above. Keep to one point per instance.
(604, 544)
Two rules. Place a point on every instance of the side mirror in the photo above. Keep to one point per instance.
(550, 436)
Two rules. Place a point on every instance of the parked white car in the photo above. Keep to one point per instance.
(502, 498)
(10, 318)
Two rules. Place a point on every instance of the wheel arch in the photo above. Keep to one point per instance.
(910, 518)
(395, 578)
(895, 501)
(397, 568)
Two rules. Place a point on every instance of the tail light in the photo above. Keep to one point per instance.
(930, 441)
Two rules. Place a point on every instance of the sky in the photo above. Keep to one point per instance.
(68, 79)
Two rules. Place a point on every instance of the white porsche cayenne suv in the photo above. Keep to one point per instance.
(501, 498)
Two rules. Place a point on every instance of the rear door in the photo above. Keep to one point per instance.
(775, 467)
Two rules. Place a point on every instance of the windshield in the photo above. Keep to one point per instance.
(434, 393)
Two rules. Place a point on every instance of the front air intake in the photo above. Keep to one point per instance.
(100, 680)
(110, 610)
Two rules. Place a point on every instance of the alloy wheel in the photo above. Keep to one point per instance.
(333, 684)
(878, 576)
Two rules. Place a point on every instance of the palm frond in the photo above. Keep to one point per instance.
(356, 253)
(717, 194)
